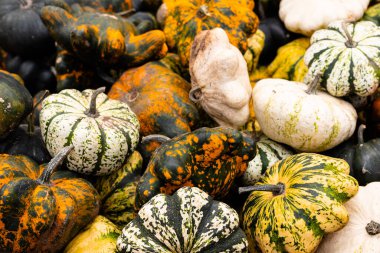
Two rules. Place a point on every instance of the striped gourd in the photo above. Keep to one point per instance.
(103, 131)
(297, 201)
(347, 56)
(189, 221)
(267, 153)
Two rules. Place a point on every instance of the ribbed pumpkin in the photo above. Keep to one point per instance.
(208, 158)
(347, 58)
(103, 131)
(159, 97)
(298, 200)
(185, 19)
(42, 210)
(117, 191)
(188, 221)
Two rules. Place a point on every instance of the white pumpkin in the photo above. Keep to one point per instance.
(307, 120)
(362, 232)
(219, 78)
(307, 16)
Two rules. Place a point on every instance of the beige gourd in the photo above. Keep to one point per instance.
(219, 78)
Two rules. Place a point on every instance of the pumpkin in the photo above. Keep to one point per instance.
(219, 78)
(256, 45)
(362, 232)
(109, 6)
(346, 57)
(296, 202)
(188, 221)
(372, 14)
(117, 191)
(185, 19)
(268, 152)
(301, 117)
(307, 16)
(289, 64)
(103, 131)
(143, 21)
(373, 118)
(97, 237)
(42, 210)
(27, 140)
(15, 102)
(208, 158)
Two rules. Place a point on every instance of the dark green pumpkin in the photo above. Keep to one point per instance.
(42, 210)
(208, 158)
(110, 6)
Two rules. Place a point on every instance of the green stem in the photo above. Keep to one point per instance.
(92, 110)
(312, 89)
(54, 164)
(276, 189)
(31, 116)
(361, 129)
(373, 228)
(350, 43)
(126, 13)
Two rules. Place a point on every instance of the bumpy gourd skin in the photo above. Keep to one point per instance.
(208, 158)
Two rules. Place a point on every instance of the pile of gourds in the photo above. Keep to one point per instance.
(189, 126)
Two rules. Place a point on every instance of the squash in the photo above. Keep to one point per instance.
(42, 210)
(117, 191)
(188, 221)
(97, 237)
(373, 118)
(301, 117)
(296, 202)
(362, 232)
(103, 131)
(307, 16)
(346, 57)
(372, 14)
(185, 19)
(208, 158)
(159, 97)
(15, 102)
(256, 44)
(219, 78)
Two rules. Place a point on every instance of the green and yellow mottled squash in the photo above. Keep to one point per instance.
(298, 200)
(15, 102)
(117, 191)
(42, 210)
(254, 48)
(97, 237)
(346, 55)
(372, 14)
(185, 19)
(188, 221)
(103, 131)
(208, 158)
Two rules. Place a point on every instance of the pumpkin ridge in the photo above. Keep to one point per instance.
(73, 98)
(205, 218)
(72, 130)
(48, 123)
(327, 71)
(103, 143)
(126, 135)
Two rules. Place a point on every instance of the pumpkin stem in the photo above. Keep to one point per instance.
(360, 134)
(155, 137)
(92, 110)
(203, 11)
(25, 4)
(276, 189)
(195, 94)
(373, 228)
(350, 43)
(31, 116)
(312, 89)
(126, 13)
(53, 164)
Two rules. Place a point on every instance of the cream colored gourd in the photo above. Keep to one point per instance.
(313, 122)
(219, 78)
(307, 16)
(359, 235)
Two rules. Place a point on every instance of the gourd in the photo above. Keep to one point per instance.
(188, 221)
(301, 116)
(256, 44)
(184, 20)
(208, 158)
(307, 16)
(42, 209)
(362, 232)
(103, 131)
(346, 57)
(219, 78)
(296, 202)
(372, 14)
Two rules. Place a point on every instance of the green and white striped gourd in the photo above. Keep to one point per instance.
(188, 221)
(347, 56)
(103, 131)
(268, 152)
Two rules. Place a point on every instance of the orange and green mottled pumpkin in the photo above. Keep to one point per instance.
(105, 5)
(186, 18)
(159, 97)
(208, 158)
(42, 210)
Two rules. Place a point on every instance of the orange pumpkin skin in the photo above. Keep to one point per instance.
(38, 216)
(186, 18)
(159, 97)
